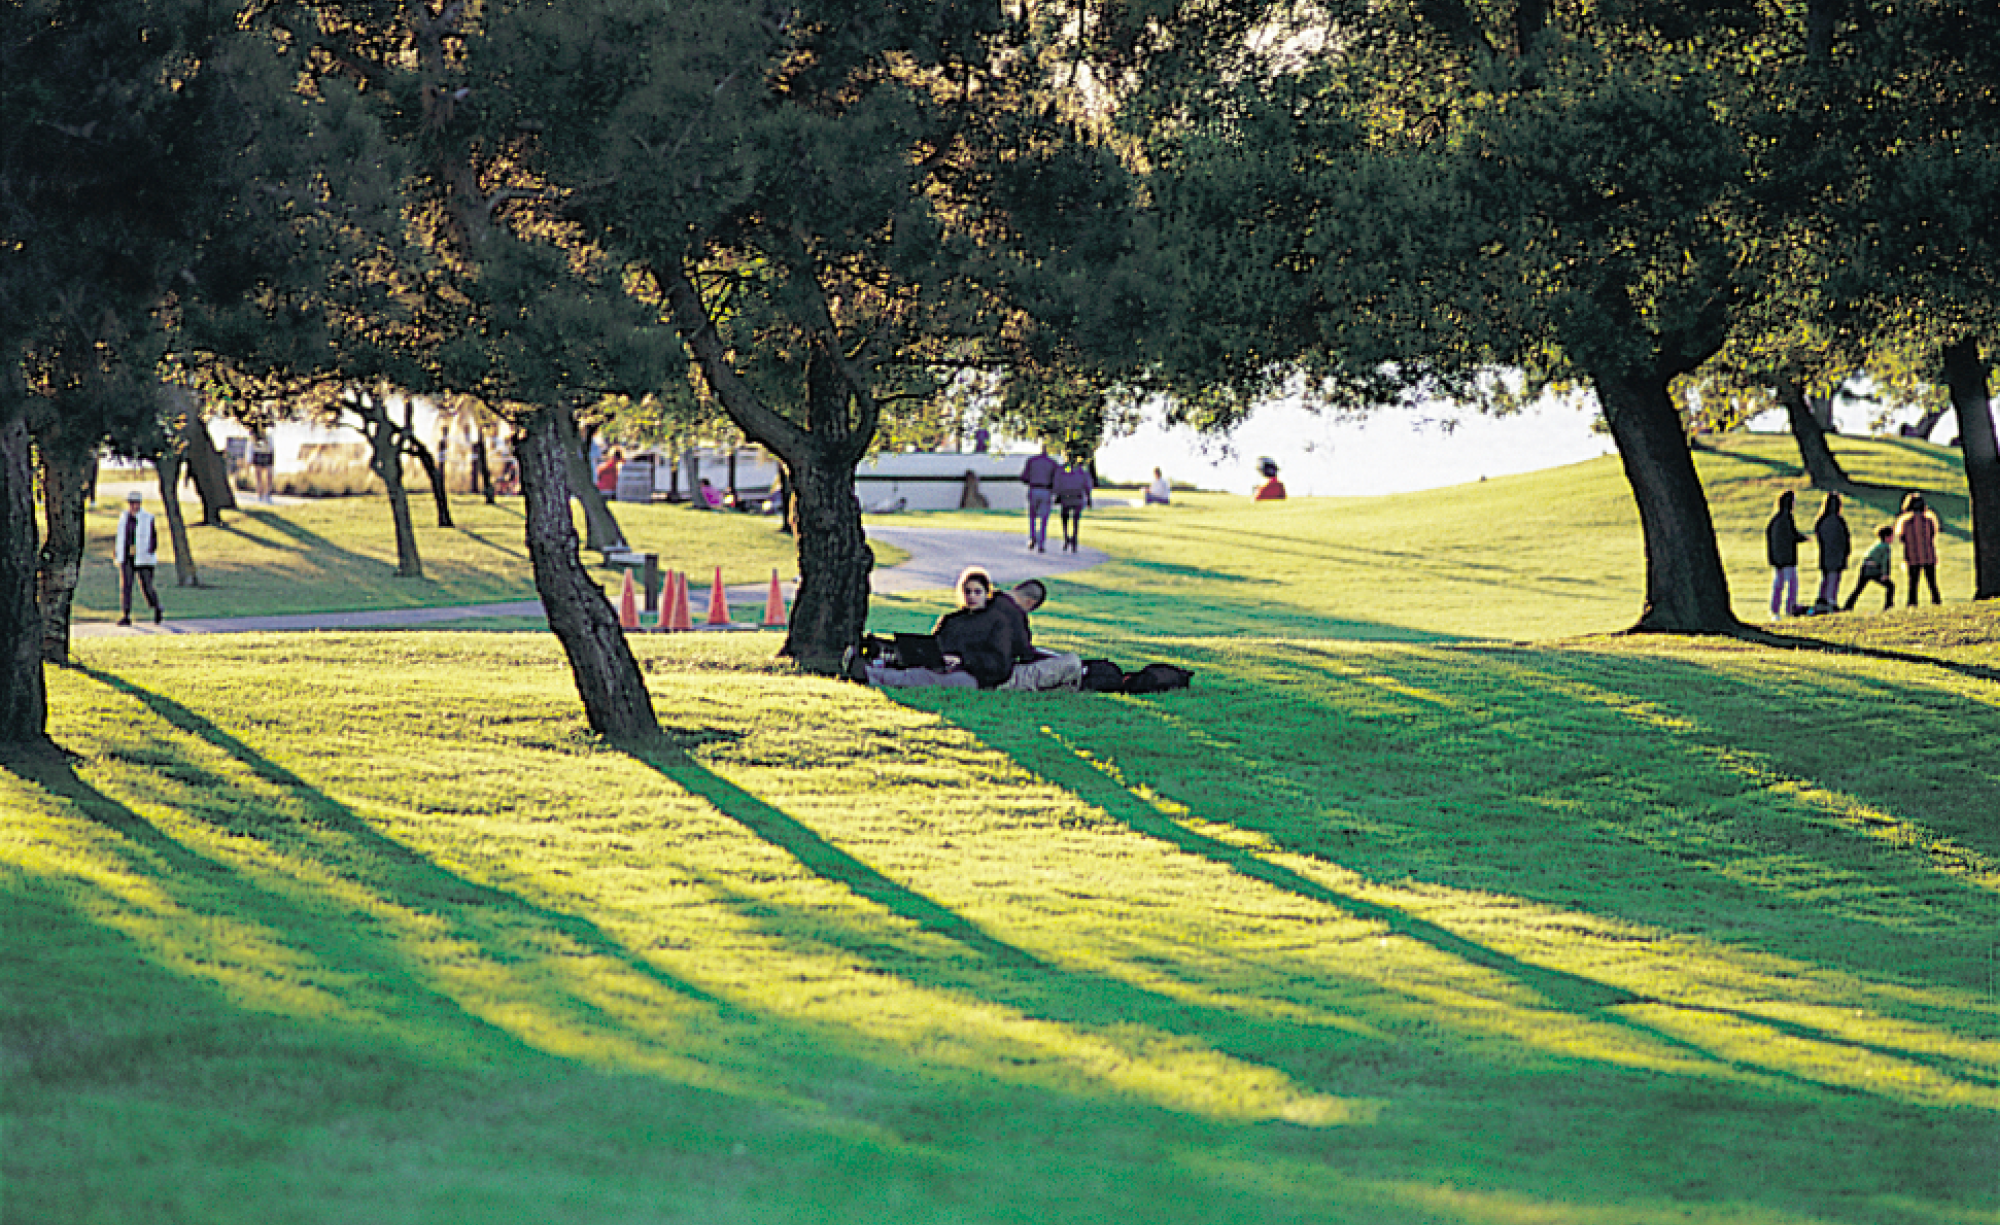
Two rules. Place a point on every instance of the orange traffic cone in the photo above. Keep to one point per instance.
(628, 605)
(664, 619)
(774, 606)
(682, 621)
(718, 602)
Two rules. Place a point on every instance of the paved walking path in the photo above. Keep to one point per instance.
(937, 555)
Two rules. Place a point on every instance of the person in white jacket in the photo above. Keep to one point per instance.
(135, 551)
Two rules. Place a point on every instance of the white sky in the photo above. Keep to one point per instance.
(1390, 452)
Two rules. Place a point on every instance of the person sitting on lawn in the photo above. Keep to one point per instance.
(1034, 668)
(978, 641)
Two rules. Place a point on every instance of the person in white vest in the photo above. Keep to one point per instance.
(135, 551)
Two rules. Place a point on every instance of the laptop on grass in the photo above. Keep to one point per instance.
(919, 651)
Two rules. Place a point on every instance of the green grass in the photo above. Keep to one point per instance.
(1518, 558)
(1396, 916)
(339, 554)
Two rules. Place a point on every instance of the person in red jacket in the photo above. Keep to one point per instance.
(607, 472)
(1273, 489)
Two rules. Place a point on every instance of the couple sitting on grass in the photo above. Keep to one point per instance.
(985, 644)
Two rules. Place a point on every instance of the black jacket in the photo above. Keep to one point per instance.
(982, 640)
(1781, 540)
(1831, 530)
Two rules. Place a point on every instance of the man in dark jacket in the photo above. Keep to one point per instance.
(1034, 668)
(1039, 475)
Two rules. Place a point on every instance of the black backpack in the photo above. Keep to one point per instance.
(1157, 678)
(1102, 676)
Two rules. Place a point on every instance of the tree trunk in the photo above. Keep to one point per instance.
(1686, 589)
(830, 610)
(24, 706)
(1822, 468)
(819, 459)
(433, 466)
(1966, 374)
(600, 530)
(206, 464)
(615, 699)
(434, 471)
(169, 464)
(482, 471)
(385, 457)
(66, 466)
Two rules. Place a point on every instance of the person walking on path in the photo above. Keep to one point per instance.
(1781, 548)
(134, 549)
(1875, 569)
(1073, 486)
(1917, 528)
(1039, 475)
(1830, 530)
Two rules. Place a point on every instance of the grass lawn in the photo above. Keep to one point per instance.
(339, 554)
(1429, 902)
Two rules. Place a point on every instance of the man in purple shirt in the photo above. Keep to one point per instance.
(1039, 474)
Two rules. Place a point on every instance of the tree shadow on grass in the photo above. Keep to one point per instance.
(212, 890)
(1102, 1003)
(1696, 764)
(1045, 752)
(482, 915)
(301, 541)
(821, 857)
(1062, 747)
(1801, 642)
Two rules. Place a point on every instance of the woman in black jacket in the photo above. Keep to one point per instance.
(976, 637)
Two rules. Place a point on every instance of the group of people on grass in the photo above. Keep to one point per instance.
(985, 643)
(1915, 528)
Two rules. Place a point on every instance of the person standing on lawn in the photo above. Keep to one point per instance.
(1781, 548)
(1830, 530)
(1917, 528)
(134, 550)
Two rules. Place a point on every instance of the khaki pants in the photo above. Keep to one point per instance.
(1049, 671)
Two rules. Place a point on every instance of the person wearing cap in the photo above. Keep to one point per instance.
(134, 550)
